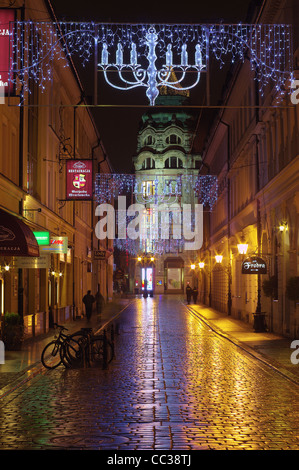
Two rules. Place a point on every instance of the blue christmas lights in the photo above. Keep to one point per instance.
(150, 52)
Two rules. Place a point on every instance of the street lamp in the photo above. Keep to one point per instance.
(283, 227)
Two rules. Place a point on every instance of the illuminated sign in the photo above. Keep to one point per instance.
(57, 245)
(43, 238)
(254, 265)
(79, 180)
(6, 16)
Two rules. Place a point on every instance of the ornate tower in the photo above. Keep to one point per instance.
(164, 158)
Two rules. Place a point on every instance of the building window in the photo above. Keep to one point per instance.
(149, 140)
(173, 139)
(173, 162)
(148, 164)
(148, 188)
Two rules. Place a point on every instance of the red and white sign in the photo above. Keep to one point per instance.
(79, 180)
(57, 245)
(6, 55)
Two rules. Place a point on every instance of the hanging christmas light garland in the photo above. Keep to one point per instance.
(150, 52)
(109, 186)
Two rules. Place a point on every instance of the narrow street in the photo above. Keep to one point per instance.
(174, 385)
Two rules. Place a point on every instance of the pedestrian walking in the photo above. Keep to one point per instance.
(88, 300)
(188, 293)
(99, 301)
(195, 294)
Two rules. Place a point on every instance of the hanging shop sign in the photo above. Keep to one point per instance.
(58, 245)
(7, 16)
(42, 238)
(79, 180)
(99, 254)
(254, 265)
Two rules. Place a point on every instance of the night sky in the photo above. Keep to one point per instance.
(118, 122)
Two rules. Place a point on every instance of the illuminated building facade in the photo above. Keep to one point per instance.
(36, 142)
(164, 152)
(253, 148)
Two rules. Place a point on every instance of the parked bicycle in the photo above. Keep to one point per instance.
(62, 350)
(96, 348)
(82, 348)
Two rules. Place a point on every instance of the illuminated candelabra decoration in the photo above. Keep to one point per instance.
(149, 56)
(150, 77)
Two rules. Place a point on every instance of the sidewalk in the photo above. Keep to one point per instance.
(273, 349)
(22, 365)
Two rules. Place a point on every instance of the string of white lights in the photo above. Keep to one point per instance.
(149, 52)
(110, 186)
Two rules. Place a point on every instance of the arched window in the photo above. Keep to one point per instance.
(173, 139)
(173, 162)
(149, 140)
(148, 164)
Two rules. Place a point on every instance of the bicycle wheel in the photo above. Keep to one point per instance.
(72, 352)
(51, 355)
(98, 352)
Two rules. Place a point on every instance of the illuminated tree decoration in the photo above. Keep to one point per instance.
(147, 55)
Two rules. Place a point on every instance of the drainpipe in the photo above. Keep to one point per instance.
(229, 295)
(92, 203)
(74, 206)
(21, 170)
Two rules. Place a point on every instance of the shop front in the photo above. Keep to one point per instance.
(17, 243)
(174, 275)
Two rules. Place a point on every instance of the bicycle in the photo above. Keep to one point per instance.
(96, 348)
(62, 350)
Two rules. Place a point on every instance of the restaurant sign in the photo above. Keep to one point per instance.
(79, 180)
(254, 265)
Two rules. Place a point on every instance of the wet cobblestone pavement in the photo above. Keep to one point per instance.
(174, 385)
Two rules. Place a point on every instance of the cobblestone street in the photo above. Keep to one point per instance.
(174, 385)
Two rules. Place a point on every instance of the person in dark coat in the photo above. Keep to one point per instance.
(99, 301)
(88, 300)
(195, 294)
(188, 293)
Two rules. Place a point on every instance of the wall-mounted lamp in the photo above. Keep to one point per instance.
(219, 258)
(283, 227)
(242, 248)
(201, 265)
(5, 268)
(192, 266)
